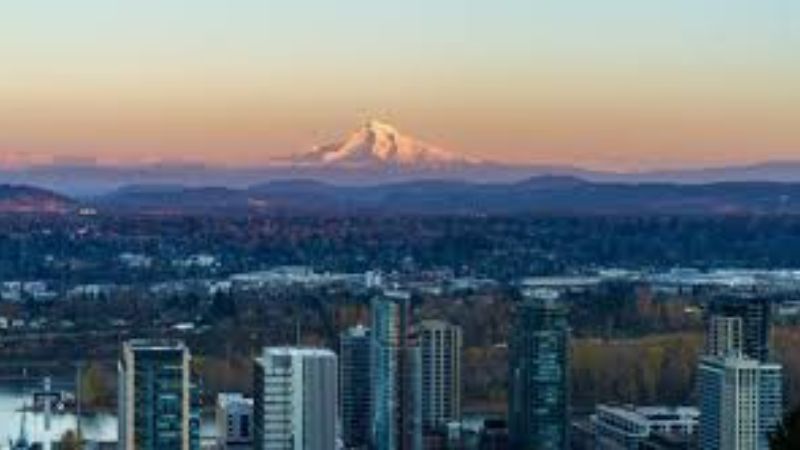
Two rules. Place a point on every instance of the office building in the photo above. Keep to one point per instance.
(157, 402)
(234, 421)
(627, 427)
(354, 386)
(295, 398)
(741, 402)
(440, 349)
(396, 375)
(538, 409)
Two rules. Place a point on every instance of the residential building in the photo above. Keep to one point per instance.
(724, 336)
(755, 313)
(440, 348)
(295, 398)
(741, 402)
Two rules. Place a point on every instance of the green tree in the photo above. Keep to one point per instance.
(787, 436)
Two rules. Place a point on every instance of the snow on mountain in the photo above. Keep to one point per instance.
(378, 144)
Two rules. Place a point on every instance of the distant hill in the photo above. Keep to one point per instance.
(27, 199)
(538, 195)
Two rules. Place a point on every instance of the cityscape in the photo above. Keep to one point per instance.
(399, 225)
(412, 359)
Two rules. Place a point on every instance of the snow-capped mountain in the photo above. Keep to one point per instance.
(378, 144)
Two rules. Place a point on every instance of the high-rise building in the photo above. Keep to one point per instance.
(755, 313)
(740, 402)
(295, 398)
(739, 389)
(724, 336)
(234, 421)
(538, 405)
(396, 379)
(157, 403)
(440, 348)
(355, 386)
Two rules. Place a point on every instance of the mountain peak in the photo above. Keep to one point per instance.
(379, 144)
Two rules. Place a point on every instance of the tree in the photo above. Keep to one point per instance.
(70, 441)
(95, 387)
(787, 436)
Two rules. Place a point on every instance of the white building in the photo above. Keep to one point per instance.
(627, 426)
(234, 421)
(295, 399)
(724, 336)
(741, 402)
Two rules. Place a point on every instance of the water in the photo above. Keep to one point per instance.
(95, 426)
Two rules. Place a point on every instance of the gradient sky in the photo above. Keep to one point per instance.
(614, 84)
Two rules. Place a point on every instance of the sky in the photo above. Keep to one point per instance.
(611, 84)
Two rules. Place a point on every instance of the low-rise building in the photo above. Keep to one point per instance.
(628, 426)
(234, 421)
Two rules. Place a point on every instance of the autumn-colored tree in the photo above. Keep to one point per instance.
(70, 441)
(95, 386)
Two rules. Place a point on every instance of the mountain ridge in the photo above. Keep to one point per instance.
(536, 195)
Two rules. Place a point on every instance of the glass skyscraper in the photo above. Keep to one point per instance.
(396, 388)
(354, 386)
(538, 405)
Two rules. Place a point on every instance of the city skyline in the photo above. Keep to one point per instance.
(622, 86)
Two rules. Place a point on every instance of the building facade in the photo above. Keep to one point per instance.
(234, 421)
(396, 375)
(741, 402)
(440, 347)
(724, 336)
(538, 409)
(157, 404)
(755, 313)
(627, 427)
(355, 386)
(295, 398)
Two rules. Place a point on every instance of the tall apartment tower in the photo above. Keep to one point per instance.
(755, 313)
(396, 376)
(355, 387)
(440, 348)
(740, 390)
(538, 408)
(724, 336)
(157, 403)
(295, 398)
(741, 402)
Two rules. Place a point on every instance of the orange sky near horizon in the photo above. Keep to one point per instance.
(622, 87)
